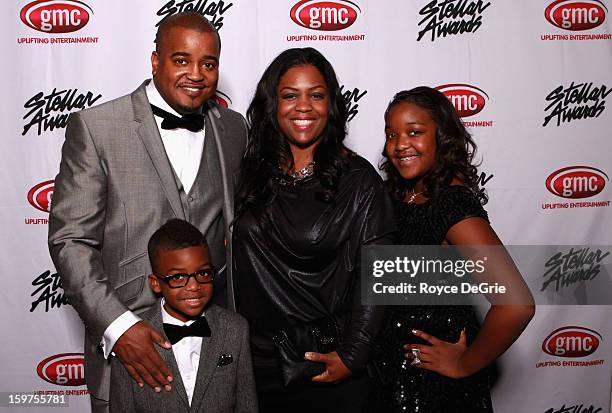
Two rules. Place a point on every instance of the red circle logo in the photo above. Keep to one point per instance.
(222, 99)
(67, 369)
(576, 15)
(40, 196)
(571, 341)
(56, 16)
(324, 15)
(575, 182)
(468, 100)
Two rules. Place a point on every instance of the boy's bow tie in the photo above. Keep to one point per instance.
(176, 333)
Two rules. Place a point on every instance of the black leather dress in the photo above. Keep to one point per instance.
(408, 389)
(299, 260)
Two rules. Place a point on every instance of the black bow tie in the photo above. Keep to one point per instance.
(176, 333)
(193, 121)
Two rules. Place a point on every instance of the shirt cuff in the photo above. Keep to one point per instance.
(116, 330)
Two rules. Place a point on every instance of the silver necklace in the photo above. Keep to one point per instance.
(413, 196)
(291, 179)
(305, 172)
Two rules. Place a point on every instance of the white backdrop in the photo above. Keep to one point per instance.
(511, 60)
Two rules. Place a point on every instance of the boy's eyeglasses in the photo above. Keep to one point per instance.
(179, 280)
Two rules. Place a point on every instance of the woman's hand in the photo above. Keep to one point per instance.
(441, 356)
(335, 369)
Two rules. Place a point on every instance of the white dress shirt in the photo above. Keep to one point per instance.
(183, 147)
(186, 352)
(184, 150)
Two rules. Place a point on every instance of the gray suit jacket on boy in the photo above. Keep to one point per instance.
(224, 380)
(115, 187)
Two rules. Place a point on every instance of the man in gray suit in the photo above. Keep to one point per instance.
(126, 171)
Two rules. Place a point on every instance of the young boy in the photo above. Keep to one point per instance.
(210, 359)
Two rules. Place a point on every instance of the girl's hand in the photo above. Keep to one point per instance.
(440, 356)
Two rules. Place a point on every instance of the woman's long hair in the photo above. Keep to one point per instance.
(268, 153)
(455, 148)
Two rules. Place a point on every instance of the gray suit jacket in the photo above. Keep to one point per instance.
(219, 387)
(115, 187)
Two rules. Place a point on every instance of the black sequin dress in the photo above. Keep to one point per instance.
(408, 389)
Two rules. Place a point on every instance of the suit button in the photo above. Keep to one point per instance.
(190, 199)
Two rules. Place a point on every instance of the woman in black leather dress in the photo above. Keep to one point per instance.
(305, 205)
(430, 174)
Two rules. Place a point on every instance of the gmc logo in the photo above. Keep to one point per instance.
(576, 14)
(324, 15)
(66, 369)
(571, 341)
(56, 16)
(576, 182)
(40, 196)
(468, 100)
(222, 99)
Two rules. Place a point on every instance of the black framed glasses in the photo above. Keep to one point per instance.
(179, 280)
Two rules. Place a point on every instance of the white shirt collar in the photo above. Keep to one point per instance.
(155, 98)
(168, 319)
(183, 147)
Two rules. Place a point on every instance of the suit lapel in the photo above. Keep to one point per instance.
(155, 319)
(149, 134)
(213, 116)
(209, 355)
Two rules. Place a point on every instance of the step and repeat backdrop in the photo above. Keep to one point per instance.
(530, 78)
